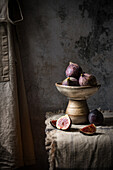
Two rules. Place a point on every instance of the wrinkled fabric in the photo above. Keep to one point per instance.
(76, 151)
(4, 57)
(10, 11)
(16, 142)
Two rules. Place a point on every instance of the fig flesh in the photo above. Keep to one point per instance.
(70, 81)
(53, 123)
(87, 80)
(88, 130)
(96, 117)
(73, 70)
(63, 123)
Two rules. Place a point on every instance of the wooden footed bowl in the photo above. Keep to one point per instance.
(77, 107)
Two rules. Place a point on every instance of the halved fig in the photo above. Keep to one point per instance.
(64, 122)
(53, 123)
(88, 130)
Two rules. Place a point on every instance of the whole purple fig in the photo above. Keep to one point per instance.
(87, 80)
(95, 117)
(73, 70)
(73, 81)
(70, 81)
(66, 82)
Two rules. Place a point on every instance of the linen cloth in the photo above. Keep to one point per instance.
(74, 150)
(16, 142)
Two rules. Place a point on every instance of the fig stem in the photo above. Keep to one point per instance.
(70, 62)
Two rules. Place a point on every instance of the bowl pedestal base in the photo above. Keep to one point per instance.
(78, 111)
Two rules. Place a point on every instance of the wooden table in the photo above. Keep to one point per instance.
(75, 151)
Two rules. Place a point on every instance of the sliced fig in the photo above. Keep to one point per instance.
(53, 123)
(89, 129)
(63, 123)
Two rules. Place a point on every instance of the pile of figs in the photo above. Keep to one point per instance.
(76, 76)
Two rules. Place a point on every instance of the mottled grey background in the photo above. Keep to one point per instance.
(53, 33)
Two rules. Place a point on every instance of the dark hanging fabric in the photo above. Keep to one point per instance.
(16, 142)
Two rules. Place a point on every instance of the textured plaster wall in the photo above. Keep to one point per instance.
(53, 33)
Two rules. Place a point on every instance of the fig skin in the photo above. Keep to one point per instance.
(89, 129)
(70, 81)
(96, 117)
(73, 70)
(66, 82)
(87, 80)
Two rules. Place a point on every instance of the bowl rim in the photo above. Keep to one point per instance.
(59, 84)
